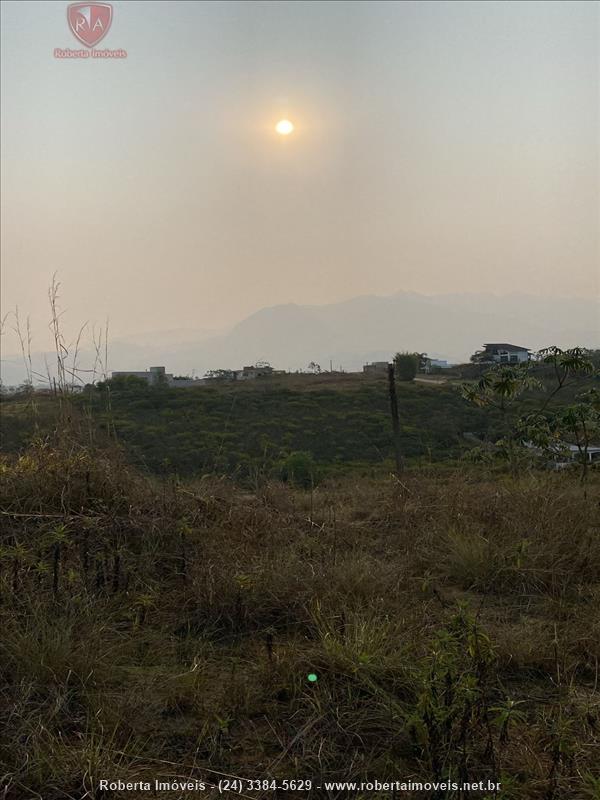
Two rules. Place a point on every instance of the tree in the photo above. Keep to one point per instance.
(502, 386)
(406, 365)
(480, 357)
(578, 424)
(567, 365)
(220, 374)
(124, 382)
(314, 368)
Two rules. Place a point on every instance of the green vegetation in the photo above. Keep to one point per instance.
(160, 628)
(549, 428)
(231, 580)
(407, 365)
(249, 430)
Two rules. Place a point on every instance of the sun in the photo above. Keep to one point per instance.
(284, 127)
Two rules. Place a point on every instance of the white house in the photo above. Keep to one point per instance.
(592, 453)
(567, 454)
(503, 353)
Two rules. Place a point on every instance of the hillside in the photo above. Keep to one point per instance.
(231, 582)
(342, 422)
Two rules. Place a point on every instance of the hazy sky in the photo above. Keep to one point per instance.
(439, 147)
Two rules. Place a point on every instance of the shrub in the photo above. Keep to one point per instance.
(299, 469)
(407, 365)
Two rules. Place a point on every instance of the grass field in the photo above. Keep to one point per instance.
(231, 583)
(248, 430)
(161, 628)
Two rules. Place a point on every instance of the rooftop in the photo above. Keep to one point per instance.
(505, 346)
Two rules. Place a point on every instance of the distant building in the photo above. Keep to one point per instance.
(565, 454)
(158, 375)
(376, 368)
(592, 453)
(503, 353)
(184, 383)
(435, 363)
(251, 373)
(153, 376)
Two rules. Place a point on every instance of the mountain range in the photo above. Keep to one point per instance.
(349, 333)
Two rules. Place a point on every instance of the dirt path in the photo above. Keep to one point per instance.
(432, 381)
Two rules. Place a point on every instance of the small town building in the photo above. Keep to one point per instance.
(592, 453)
(157, 376)
(434, 364)
(564, 455)
(153, 376)
(251, 373)
(503, 353)
(376, 368)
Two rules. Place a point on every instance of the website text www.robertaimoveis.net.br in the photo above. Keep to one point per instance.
(239, 786)
(411, 786)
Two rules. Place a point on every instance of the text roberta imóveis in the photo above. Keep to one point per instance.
(66, 52)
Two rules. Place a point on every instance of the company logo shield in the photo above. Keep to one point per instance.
(89, 22)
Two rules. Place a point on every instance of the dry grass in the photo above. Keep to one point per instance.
(163, 629)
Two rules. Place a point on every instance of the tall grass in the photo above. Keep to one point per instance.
(160, 628)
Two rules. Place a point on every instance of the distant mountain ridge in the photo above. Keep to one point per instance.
(349, 333)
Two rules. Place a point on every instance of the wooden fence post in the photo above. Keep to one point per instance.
(395, 418)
